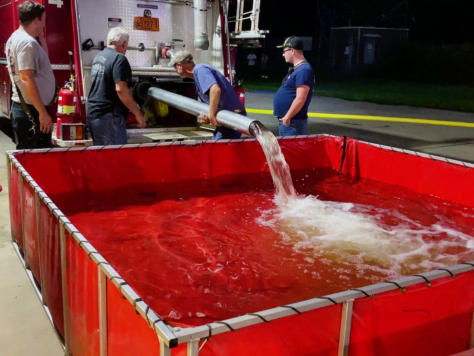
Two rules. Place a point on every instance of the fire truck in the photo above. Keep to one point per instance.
(76, 30)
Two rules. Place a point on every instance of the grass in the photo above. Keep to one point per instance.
(448, 97)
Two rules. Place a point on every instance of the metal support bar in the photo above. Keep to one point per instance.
(134, 48)
(255, 15)
(226, 32)
(241, 15)
(103, 332)
(152, 69)
(345, 332)
(143, 48)
(164, 350)
(78, 34)
(227, 118)
(238, 16)
(9, 177)
(62, 236)
(193, 348)
(22, 219)
(39, 237)
(471, 341)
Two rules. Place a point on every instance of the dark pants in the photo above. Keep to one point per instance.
(222, 133)
(297, 127)
(26, 132)
(108, 129)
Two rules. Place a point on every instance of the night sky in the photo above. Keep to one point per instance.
(432, 21)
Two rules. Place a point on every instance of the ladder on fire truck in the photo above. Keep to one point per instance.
(245, 21)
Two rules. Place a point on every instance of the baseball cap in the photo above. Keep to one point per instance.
(292, 42)
(180, 56)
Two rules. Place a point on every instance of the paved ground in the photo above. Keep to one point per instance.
(446, 141)
(24, 327)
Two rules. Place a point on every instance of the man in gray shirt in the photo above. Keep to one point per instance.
(30, 72)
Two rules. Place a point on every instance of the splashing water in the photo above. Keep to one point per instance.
(356, 234)
(279, 169)
(352, 232)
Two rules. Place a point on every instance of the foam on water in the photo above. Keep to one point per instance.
(357, 234)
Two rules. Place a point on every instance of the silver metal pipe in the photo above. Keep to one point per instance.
(161, 75)
(224, 117)
(142, 48)
(201, 39)
(157, 70)
(155, 50)
(154, 69)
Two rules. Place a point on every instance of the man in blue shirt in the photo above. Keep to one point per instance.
(213, 89)
(291, 101)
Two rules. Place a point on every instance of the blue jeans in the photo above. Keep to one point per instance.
(224, 133)
(27, 134)
(108, 129)
(297, 127)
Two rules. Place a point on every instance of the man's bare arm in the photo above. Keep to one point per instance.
(27, 78)
(214, 97)
(125, 95)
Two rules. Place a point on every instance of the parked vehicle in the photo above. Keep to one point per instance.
(157, 30)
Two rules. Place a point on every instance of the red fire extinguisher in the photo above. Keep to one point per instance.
(67, 101)
(240, 91)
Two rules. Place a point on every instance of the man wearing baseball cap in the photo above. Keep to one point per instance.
(213, 89)
(291, 101)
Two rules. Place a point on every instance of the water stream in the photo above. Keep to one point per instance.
(279, 169)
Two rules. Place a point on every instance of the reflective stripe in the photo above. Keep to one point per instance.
(375, 118)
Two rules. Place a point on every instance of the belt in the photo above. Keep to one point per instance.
(31, 105)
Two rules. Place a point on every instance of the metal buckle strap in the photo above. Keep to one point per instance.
(259, 316)
(226, 324)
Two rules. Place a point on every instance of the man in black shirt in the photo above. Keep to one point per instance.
(110, 98)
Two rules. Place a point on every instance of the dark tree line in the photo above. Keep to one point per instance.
(433, 21)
